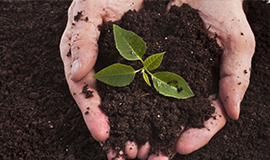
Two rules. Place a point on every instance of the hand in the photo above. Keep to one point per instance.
(238, 51)
(228, 22)
(79, 50)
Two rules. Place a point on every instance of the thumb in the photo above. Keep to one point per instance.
(86, 16)
(84, 37)
(235, 70)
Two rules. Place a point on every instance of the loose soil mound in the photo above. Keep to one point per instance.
(138, 112)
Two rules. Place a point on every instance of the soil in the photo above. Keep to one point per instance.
(138, 112)
(40, 120)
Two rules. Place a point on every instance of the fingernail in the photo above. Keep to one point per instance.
(75, 66)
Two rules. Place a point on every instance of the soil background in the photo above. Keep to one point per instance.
(40, 120)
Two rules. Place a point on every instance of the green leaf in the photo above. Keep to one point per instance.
(170, 84)
(116, 75)
(129, 45)
(153, 61)
(146, 79)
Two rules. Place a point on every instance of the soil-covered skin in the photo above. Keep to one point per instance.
(138, 112)
(40, 120)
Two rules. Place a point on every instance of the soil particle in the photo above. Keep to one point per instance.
(69, 53)
(88, 93)
(226, 98)
(78, 16)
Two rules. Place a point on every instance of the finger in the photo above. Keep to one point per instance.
(194, 138)
(113, 155)
(143, 151)
(84, 17)
(236, 66)
(65, 43)
(95, 119)
(235, 71)
(131, 149)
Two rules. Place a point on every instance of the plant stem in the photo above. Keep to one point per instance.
(139, 70)
(148, 72)
(140, 59)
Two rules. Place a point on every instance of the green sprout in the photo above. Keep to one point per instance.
(132, 47)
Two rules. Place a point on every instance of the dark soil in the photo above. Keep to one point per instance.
(138, 112)
(40, 120)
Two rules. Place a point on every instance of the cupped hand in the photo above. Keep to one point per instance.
(227, 22)
(78, 47)
(79, 51)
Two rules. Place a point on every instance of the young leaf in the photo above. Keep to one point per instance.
(153, 61)
(116, 75)
(172, 85)
(146, 79)
(129, 45)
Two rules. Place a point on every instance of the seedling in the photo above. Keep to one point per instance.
(132, 47)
